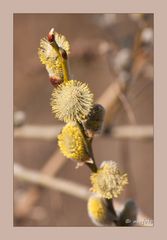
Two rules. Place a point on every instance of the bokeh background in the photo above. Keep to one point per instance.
(88, 35)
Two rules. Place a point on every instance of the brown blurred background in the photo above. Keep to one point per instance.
(87, 34)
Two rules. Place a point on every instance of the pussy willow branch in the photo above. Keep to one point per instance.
(108, 99)
(56, 161)
(68, 187)
(94, 168)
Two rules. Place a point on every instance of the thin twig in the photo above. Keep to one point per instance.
(68, 187)
(26, 201)
(110, 100)
(133, 132)
(128, 108)
(44, 132)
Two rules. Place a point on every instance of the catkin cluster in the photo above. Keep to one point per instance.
(72, 102)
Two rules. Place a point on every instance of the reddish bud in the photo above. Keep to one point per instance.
(55, 82)
(51, 36)
(63, 53)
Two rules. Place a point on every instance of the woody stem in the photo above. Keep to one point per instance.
(93, 168)
(88, 144)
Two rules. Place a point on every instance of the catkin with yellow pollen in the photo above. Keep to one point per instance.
(50, 57)
(108, 182)
(72, 101)
(62, 42)
(98, 211)
(71, 143)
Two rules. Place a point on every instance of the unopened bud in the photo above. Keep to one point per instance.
(99, 212)
(51, 36)
(95, 119)
(128, 215)
(55, 82)
(63, 53)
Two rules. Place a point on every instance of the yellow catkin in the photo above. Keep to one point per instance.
(108, 181)
(71, 143)
(62, 42)
(97, 210)
(49, 56)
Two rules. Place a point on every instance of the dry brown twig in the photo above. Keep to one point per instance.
(68, 187)
(26, 201)
(38, 132)
(128, 108)
(44, 132)
(110, 100)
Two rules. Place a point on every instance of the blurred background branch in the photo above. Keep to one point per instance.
(44, 132)
(28, 198)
